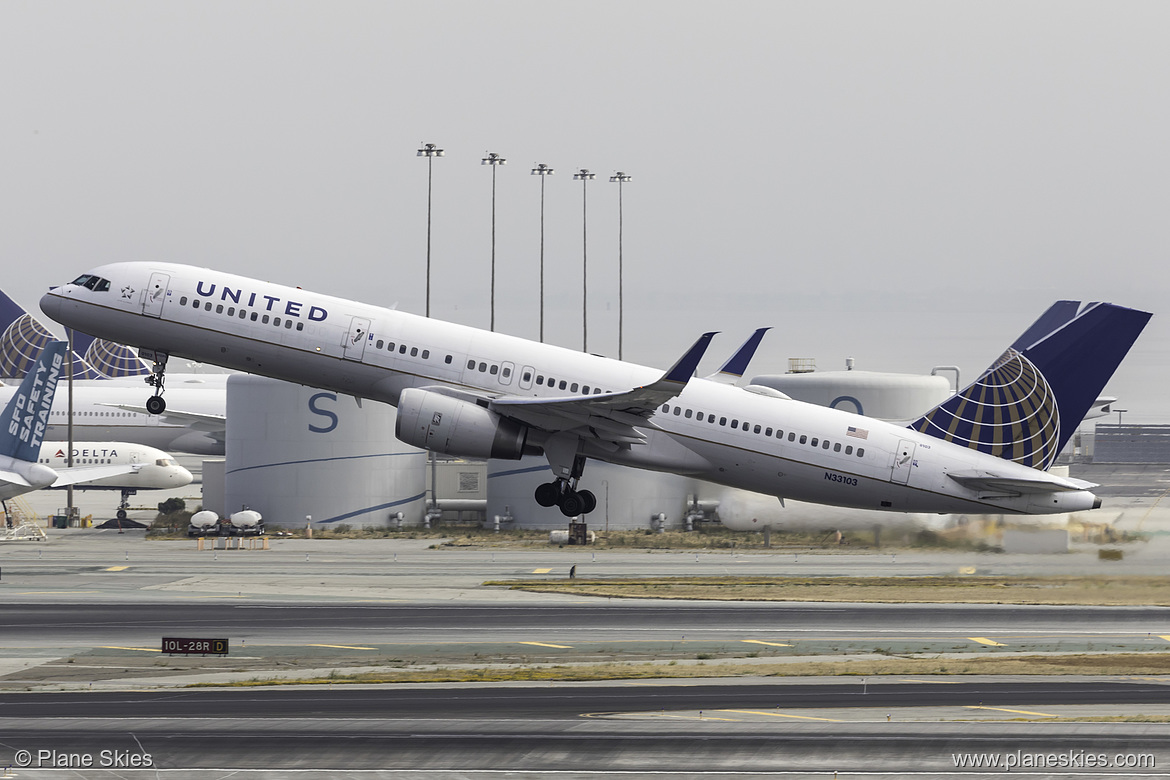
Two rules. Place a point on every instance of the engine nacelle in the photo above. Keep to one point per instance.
(452, 426)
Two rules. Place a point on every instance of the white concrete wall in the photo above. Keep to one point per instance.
(294, 451)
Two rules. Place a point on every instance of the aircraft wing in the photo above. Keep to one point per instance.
(987, 481)
(79, 474)
(207, 423)
(612, 417)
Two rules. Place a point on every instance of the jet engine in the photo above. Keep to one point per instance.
(453, 426)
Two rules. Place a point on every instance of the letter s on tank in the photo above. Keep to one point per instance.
(315, 409)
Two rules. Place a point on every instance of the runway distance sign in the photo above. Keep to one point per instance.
(187, 646)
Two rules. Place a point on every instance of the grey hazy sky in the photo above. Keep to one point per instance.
(909, 183)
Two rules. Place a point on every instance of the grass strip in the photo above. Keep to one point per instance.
(1114, 664)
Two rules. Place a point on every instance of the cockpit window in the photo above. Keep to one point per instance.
(165, 462)
(95, 283)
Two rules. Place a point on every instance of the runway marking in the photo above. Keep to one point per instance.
(942, 682)
(985, 641)
(545, 644)
(143, 649)
(345, 647)
(53, 592)
(541, 571)
(1167, 638)
(782, 715)
(967, 570)
(117, 568)
(762, 642)
(1019, 712)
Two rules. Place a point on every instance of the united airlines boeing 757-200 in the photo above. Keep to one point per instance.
(474, 393)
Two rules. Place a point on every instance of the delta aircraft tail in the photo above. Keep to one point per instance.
(1027, 405)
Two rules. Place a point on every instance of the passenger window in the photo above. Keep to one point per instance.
(666, 408)
(276, 321)
(402, 350)
(848, 449)
(861, 452)
(414, 351)
(768, 432)
(448, 359)
(757, 429)
(813, 442)
(837, 447)
(287, 324)
(470, 364)
(723, 421)
(494, 369)
(803, 438)
(687, 414)
(527, 377)
(183, 301)
(563, 384)
(390, 345)
(735, 423)
(825, 444)
(243, 314)
(791, 437)
(573, 389)
(300, 326)
(379, 344)
(539, 380)
(482, 367)
(219, 309)
(195, 303)
(699, 416)
(426, 354)
(254, 315)
(207, 306)
(263, 319)
(677, 411)
(231, 311)
(507, 372)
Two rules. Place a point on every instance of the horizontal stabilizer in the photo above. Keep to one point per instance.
(79, 474)
(985, 480)
(12, 478)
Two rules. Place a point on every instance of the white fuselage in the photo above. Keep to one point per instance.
(150, 468)
(96, 416)
(746, 440)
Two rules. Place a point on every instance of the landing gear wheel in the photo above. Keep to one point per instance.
(121, 514)
(572, 504)
(548, 494)
(588, 500)
(156, 405)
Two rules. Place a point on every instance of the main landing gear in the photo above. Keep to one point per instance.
(562, 492)
(155, 404)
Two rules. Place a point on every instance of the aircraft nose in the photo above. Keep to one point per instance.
(51, 304)
(180, 476)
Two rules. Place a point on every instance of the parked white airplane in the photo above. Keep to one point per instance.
(29, 463)
(469, 392)
(104, 381)
(196, 423)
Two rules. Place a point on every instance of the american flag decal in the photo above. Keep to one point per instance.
(857, 433)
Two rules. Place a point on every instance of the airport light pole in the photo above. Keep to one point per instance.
(495, 161)
(542, 171)
(621, 178)
(429, 151)
(584, 176)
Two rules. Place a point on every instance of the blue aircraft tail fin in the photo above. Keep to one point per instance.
(22, 337)
(1028, 404)
(26, 417)
(107, 358)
